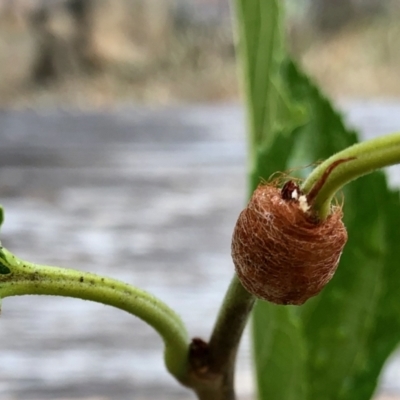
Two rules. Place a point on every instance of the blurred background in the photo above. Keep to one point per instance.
(122, 152)
(93, 53)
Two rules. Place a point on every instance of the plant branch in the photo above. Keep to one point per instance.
(213, 363)
(19, 277)
(359, 159)
(229, 327)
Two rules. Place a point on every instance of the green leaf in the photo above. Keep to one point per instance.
(280, 353)
(1, 216)
(354, 325)
(271, 111)
(333, 347)
(351, 328)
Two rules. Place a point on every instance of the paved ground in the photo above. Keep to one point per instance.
(147, 196)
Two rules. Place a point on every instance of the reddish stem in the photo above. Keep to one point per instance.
(321, 181)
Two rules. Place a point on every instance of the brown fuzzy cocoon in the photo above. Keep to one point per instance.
(281, 253)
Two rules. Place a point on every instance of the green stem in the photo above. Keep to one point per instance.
(228, 330)
(230, 324)
(212, 378)
(19, 277)
(363, 158)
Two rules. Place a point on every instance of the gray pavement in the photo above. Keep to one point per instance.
(148, 196)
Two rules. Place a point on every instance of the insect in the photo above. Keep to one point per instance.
(290, 191)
